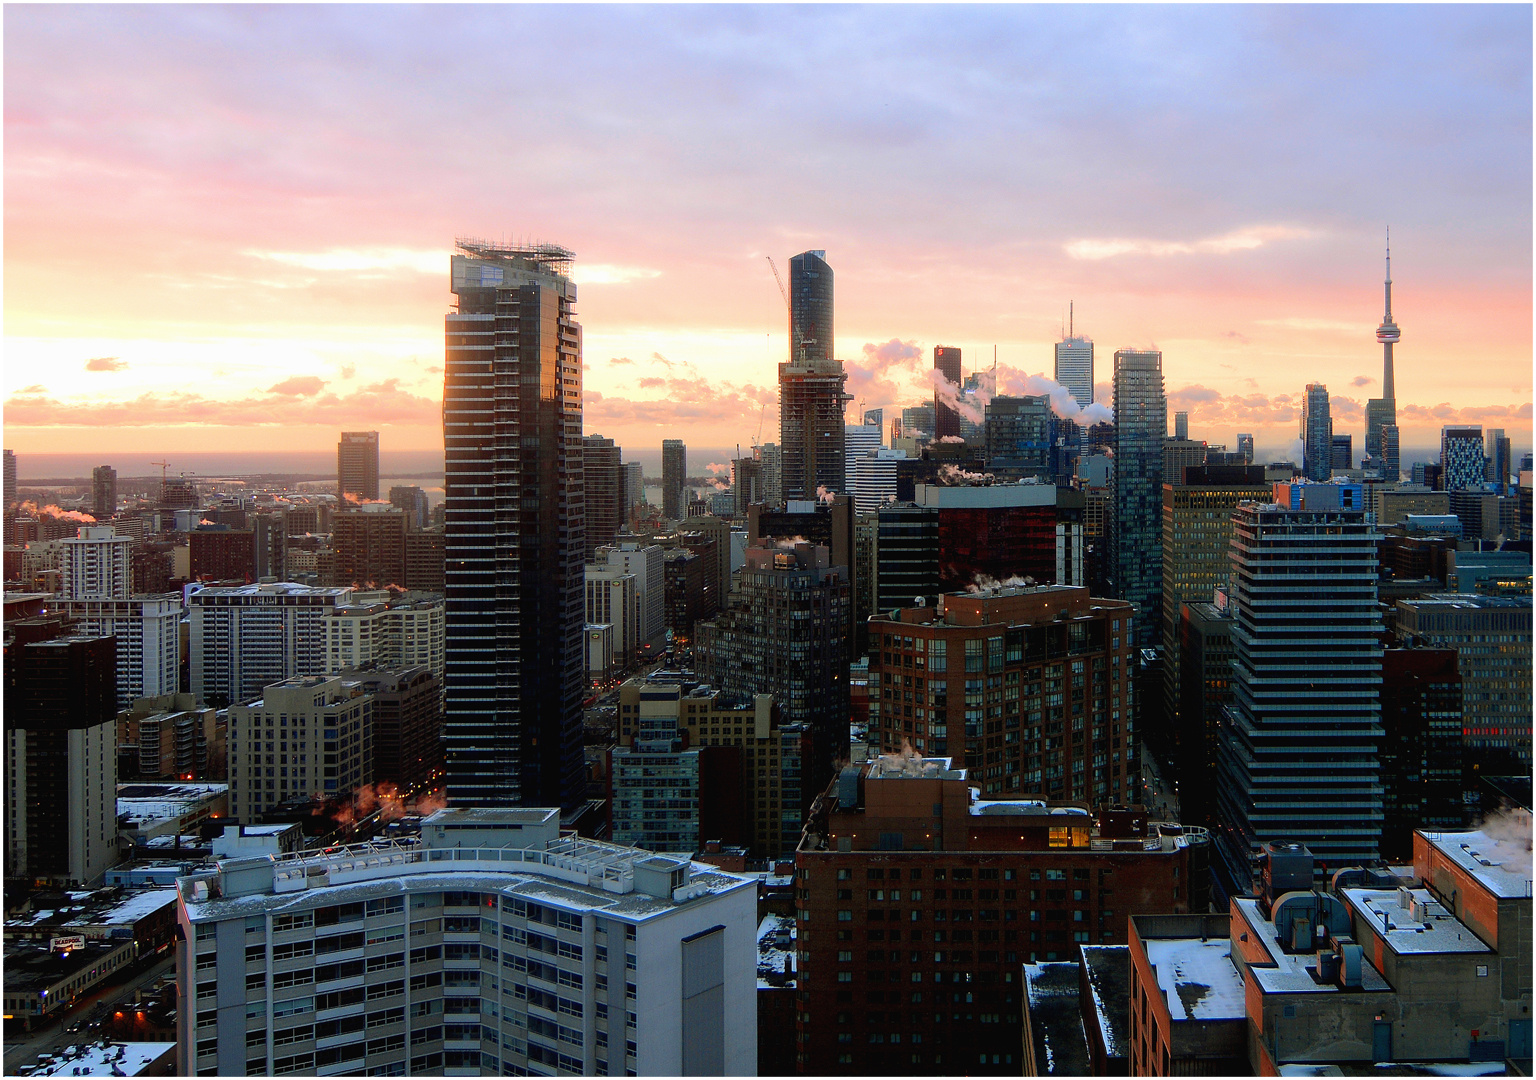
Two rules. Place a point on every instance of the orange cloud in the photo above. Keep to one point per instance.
(380, 403)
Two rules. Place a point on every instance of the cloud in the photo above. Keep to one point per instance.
(379, 403)
(718, 467)
(348, 370)
(1361, 380)
(1017, 382)
(619, 361)
(1246, 239)
(35, 388)
(367, 260)
(298, 386)
(105, 363)
(886, 373)
(686, 398)
(610, 274)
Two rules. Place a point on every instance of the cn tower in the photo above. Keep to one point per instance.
(1381, 413)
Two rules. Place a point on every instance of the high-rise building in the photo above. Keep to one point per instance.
(873, 418)
(96, 564)
(515, 534)
(905, 555)
(634, 488)
(8, 496)
(302, 716)
(219, 553)
(982, 886)
(103, 492)
(529, 954)
(746, 484)
(1461, 458)
(674, 475)
(412, 502)
(407, 725)
(946, 364)
(773, 480)
(917, 421)
(604, 491)
(369, 541)
(786, 633)
(1342, 455)
(1421, 748)
(859, 441)
(1141, 425)
(1299, 754)
(60, 753)
(612, 600)
(385, 630)
(1381, 413)
(1181, 425)
(1002, 532)
(811, 395)
(357, 466)
(1245, 447)
(146, 629)
(1197, 557)
(1178, 455)
(1500, 453)
(1001, 694)
(646, 562)
(1074, 367)
(1205, 691)
(1316, 434)
(873, 480)
(243, 638)
(1018, 435)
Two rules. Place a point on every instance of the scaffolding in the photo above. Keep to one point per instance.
(549, 258)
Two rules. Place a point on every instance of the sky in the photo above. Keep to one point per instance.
(229, 227)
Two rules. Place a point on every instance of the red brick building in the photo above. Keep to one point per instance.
(917, 902)
(1028, 688)
(218, 554)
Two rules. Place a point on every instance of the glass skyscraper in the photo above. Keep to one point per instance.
(1141, 425)
(1316, 434)
(674, 475)
(1074, 368)
(515, 529)
(811, 396)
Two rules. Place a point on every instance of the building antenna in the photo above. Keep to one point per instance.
(1071, 318)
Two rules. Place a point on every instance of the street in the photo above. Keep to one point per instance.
(55, 1035)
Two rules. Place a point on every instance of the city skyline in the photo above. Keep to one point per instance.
(269, 249)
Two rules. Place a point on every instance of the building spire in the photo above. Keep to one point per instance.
(1389, 274)
(1388, 334)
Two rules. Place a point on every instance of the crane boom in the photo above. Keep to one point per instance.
(782, 291)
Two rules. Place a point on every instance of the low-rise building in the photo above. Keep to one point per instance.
(493, 946)
(40, 981)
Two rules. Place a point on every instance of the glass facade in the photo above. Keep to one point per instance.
(1141, 424)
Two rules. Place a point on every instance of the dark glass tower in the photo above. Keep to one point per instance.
(674, 477)
(357, 465)
(811, 397)
(946, 361)
(1141, 425)
(515, 529)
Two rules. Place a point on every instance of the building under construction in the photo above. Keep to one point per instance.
(811, 395)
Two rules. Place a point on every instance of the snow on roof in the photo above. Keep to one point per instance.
(1055, 1022)
(1426, 927)
(776, 952)
(1289, 975)
(1504, 871)
(1109, 980)
(1197, 978)
(130, 909)
(96, 1060)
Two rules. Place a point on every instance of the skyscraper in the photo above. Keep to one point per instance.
(357, 465)
(1381, 413)
(103, 492)
(859, 441)
(1461, 458)
(1343, 453)
(1074, 366)
(674, 474)
(1316, 434)
(515, 529)
(811, 396)
(1141, 424)
(1245, 447)
(946, 362)
(1181, 426)
(1298, 759)
(1500, 453)
(604, 491)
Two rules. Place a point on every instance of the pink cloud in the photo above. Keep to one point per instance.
(380, 403)
(298, 386)
(105, 363)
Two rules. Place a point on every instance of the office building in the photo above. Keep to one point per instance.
(1492, 639)
(412, 502)
(60, 754)
(905, 556)
(917, 422)
(1463, 467)
(605, 495)
(386, 630)
(165, 737)
(946, 364)
(860, 441)
(8, 496)
(1197, 554)
(529, 954)
(874, 480)
(147, 633)
(1019, 435)
(1180, 454)
(674, 475)
(1204, 660)
(515, 535)
(1500, 452)
(633, 474)
(407, 705)
(811, 395)
(369, 541)
(104, 492)
(243, 638)
(1028, 687)
(1245, 447)
(1299, 756)
(219, 553)
(646, 563)
(746, 484)
(1074, 367)
(1181, 426)
(425, 561)
(613, 600)
(1316, 434)
(278, 742)
(357, 467)
(736, 768)
(1141, 424)
(1421, 747)
(1006, 532)
(917, 903)
(773, 483)
(1343, 453)
(96, 564)
(684, 587)
(786, 633)
(269, 536)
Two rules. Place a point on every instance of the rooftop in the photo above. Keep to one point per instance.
(112, 1059)
(776, 952)
(1055, 1021)
(1289, 975)
(1413, 921)
(1197, 978)
(105, 907)
(1109, 982)
(33, 967)
(1502, 864)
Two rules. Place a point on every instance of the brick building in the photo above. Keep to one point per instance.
(1030, 687)
(918, 901)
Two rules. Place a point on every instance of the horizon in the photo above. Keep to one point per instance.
(268, 256)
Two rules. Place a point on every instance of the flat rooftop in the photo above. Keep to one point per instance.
(114, 1059)
(1289, 974)
(1109, 982)
(1502, 864)
(1055, 1020)
(31, 967)
(1197, 978)
(776, 952)
(1424, 927)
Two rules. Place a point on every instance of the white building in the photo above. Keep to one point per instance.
(859, 441)
(245, 637)
(613, 597)
(494, 947)
(95, 565)
(148, 633)
(303, 737)
(393, 632)
(649, 567)
(874, 479)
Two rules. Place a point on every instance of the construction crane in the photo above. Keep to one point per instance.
(799, 337)
(762, 413)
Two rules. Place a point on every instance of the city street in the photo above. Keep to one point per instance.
(55, 1035)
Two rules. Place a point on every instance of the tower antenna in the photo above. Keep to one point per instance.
(1071, 318)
